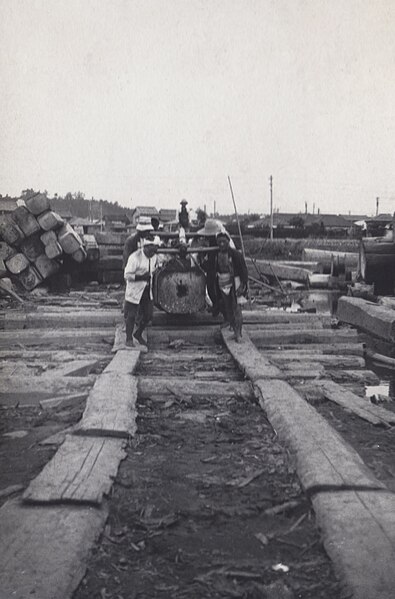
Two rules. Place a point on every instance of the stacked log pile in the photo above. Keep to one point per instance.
(35, 242)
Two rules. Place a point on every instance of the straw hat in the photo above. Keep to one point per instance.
(211, 228)
(144, 227)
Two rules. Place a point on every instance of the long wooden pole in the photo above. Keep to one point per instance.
(241, 237)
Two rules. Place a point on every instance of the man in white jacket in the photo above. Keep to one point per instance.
(138, 295)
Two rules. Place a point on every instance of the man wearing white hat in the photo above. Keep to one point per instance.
(138, 306)
(132, 243)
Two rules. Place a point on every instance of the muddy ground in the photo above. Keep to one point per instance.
(207, 502)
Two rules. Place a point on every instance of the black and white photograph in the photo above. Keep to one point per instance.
(197, 299)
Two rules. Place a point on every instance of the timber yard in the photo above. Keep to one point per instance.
(207, 466)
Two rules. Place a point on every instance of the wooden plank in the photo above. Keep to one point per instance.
(354, 376)
(124, 362)
(284, 336)
(358, 405)
(328, 360)
(111, 406)
(44, 552)
(264, 316)
(81, 471)
(183, 386)
(358, 527)
(257, 367)
(59, 337)
(61, 319)
(373, 318)
(349, 349)
(194, 336)
(44, 384)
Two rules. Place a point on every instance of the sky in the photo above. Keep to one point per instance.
(148, 102)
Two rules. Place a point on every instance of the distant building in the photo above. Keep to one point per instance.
(167, 215)
(117, 223)
(143, 211)
(84, 226)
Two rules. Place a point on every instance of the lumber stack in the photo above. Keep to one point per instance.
(35, 242)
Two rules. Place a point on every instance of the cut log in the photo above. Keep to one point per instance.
(50, 221)
(317, 281)
(275, 269)
(82, 471)
(32, 247)
(46, 267)
(6, 251)
(53, 249)
(37, 204)
(354, 376)
(25, 221)
(11, 233)
(327, 360)
(45, 384)
(111, 407)
(324, 257)
(283, 336)
(17, 264)
(49, 237)
(79, 255)
(3, 269)
(249, 317)
(69, 239)
(62, 319)
(377, 267)
(30, 278)
(377, 320)
(359, 406)
(349, 349)
(60, 337)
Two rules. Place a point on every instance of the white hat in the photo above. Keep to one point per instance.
(143, 227)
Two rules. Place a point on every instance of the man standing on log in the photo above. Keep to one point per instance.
(232, 280)
(138, 296)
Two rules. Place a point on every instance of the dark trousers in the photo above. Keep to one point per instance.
(233, 313)
(138, 314)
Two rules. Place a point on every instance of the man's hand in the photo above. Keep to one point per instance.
(241, 290)
(145, 277)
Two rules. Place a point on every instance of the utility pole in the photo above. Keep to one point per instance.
(215, 209)
(271, 207)
(377, 206)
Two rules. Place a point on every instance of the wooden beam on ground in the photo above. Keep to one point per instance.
(124, 362)
(264, 316)
(327, 360)
(284, 336)
(358, 527)
(367, 377)
(45, 384)
(195, 336)
(273, 268)
(362, 407)
(184, 386)
(81, 471)
(349, 349)
(12, 340)
(111, 406)
(44, 551)
(257, 367)
(375, 319)
(75, 319)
